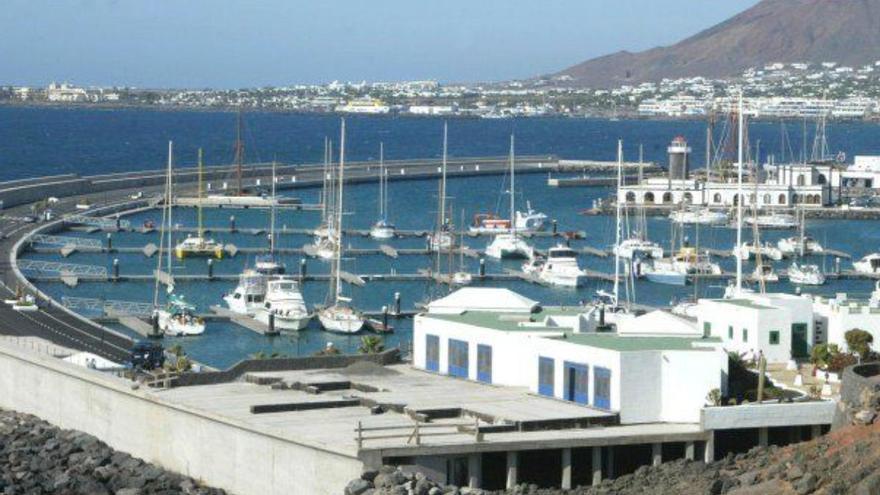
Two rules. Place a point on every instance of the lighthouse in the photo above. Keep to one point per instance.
(679, 152)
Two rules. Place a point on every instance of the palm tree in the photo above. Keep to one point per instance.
(371, 344)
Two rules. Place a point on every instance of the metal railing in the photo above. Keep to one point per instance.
(58, 240)
(54, 267)
(107, 306)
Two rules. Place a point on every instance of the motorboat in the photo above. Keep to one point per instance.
(533, 266)
(561, 268)
(198, 245)
(796, 245)
(509, 245)
(284, 303)
(774, 221)
(636, 247)
(382, 230)
(268, 264)
(488, 223)
(868, 264)
(249, 294)
(662, 272)
(765, 273)
(325, 246)
(178, 318)
(341, 318)
(804, 274)
(749, 250)
(530, 220)
(702, 216)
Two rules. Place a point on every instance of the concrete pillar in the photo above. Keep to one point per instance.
(475, 470)
(815, 432)
(689, 451)
(512, 463)
(597, 465)
(610, 471)
(656, 454)
(709, 451)
(762, 437)
(566, 469)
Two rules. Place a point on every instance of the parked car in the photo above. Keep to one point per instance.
(146, 355)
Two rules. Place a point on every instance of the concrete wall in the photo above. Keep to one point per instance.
(768, 415)
(219, 451)
(683, 390)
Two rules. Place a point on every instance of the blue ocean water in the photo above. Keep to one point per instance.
(40, 141)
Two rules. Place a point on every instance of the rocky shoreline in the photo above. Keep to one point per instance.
(39, 458)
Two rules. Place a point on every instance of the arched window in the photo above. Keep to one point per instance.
(688, 198)
(667, 198)
(767, 199)
(736, 199)
(782, 199)
(630, 197)
(801, 180)
(716, 198)
(649, 197)
(752, 198)
(822, 179)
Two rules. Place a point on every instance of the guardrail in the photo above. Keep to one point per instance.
(414, 434)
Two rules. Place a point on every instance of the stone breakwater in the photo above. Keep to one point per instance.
(38, 458)
(845, 461)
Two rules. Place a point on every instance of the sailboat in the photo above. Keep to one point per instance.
(637, 245)
(800, 244)
(802, 273)
(510, 244)
(325, 234)
(340, 317)
(442, 238)
(382, 229)
(462, 276)
(199, 245)
(177, 317)
(268, 264)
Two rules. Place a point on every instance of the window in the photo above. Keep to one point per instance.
(458, 358)
(577, 382)
(730, 332)
(707, 329)
(432, 353)
(745, 334)
(774, 337)
(602, 388)
(545, 376)
(484, 363)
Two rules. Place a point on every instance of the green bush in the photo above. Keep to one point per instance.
(821, 354)
(840, 361)
(859, 341)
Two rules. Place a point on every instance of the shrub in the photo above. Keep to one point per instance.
(840, 361)
(821, 354)
(714, 397)
(859, 341)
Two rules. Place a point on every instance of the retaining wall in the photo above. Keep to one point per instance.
(217, 450)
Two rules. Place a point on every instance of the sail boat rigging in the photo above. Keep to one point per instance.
(199, 245)
(442, 238)
(267, 263)
(382, 229)
(510, 244)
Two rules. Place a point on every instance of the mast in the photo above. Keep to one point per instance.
(739, 193)
(338, 260)
(512, 188)
(382, 187)
(324, 184)
(272, 214)
(617, 222)
(165, 209)
(443, 179)
(199, 202)
(239, 151)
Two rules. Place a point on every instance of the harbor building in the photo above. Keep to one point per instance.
(833, 317)
(864, 173)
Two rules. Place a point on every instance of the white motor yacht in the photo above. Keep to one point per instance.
(774, 221)
(248, 294)
(284, 302)
(703, 216)
(868, 264)
(561, 268)
(803, 274)
(748, 250)
(178, 318)
(509, 245)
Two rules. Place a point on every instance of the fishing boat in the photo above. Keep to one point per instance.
(269, 264)
(442, 238)
(339, 316)
(530, 220)
(868, 264)
(803, 274)
(749, 250)
(284, 304)
(249, 294)
(177, 317)
(199, 245)
(774, 221)
(701, 216)
(382, 229)
(561, 268)
(510, 244)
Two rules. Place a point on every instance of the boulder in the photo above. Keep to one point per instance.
(357, 487)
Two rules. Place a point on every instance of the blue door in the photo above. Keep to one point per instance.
(458, 358)
(577, 383)
(484, 363)
(545, 376)
(432, 353)
(602, 388)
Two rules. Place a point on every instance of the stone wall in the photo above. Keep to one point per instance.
(859, 395)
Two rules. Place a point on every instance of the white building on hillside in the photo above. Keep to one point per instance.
(656, 368)
(836, 316)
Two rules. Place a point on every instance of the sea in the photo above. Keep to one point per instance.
(39, 141)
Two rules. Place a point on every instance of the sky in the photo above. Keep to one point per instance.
(251, 43)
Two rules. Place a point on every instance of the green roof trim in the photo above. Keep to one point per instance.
(619, 343)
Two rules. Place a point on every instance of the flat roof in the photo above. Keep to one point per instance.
(637, 343)
(743, 303)
(507, 322)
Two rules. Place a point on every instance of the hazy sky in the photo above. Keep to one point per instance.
(245, 43)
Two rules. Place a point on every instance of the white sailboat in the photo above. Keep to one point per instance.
(749, 250)
(868, 264)
(382, 229)
(774, 221)
(284, 304)
(339, 316)
(177, 317)
(268, 264)
(765, 273)
(510, 244)
(325, 234)
(801, 245)
(199, 245)
(442, 238)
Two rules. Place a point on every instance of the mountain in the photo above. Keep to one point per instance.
(788, 31)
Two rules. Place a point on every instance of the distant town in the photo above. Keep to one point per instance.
(795, 90)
